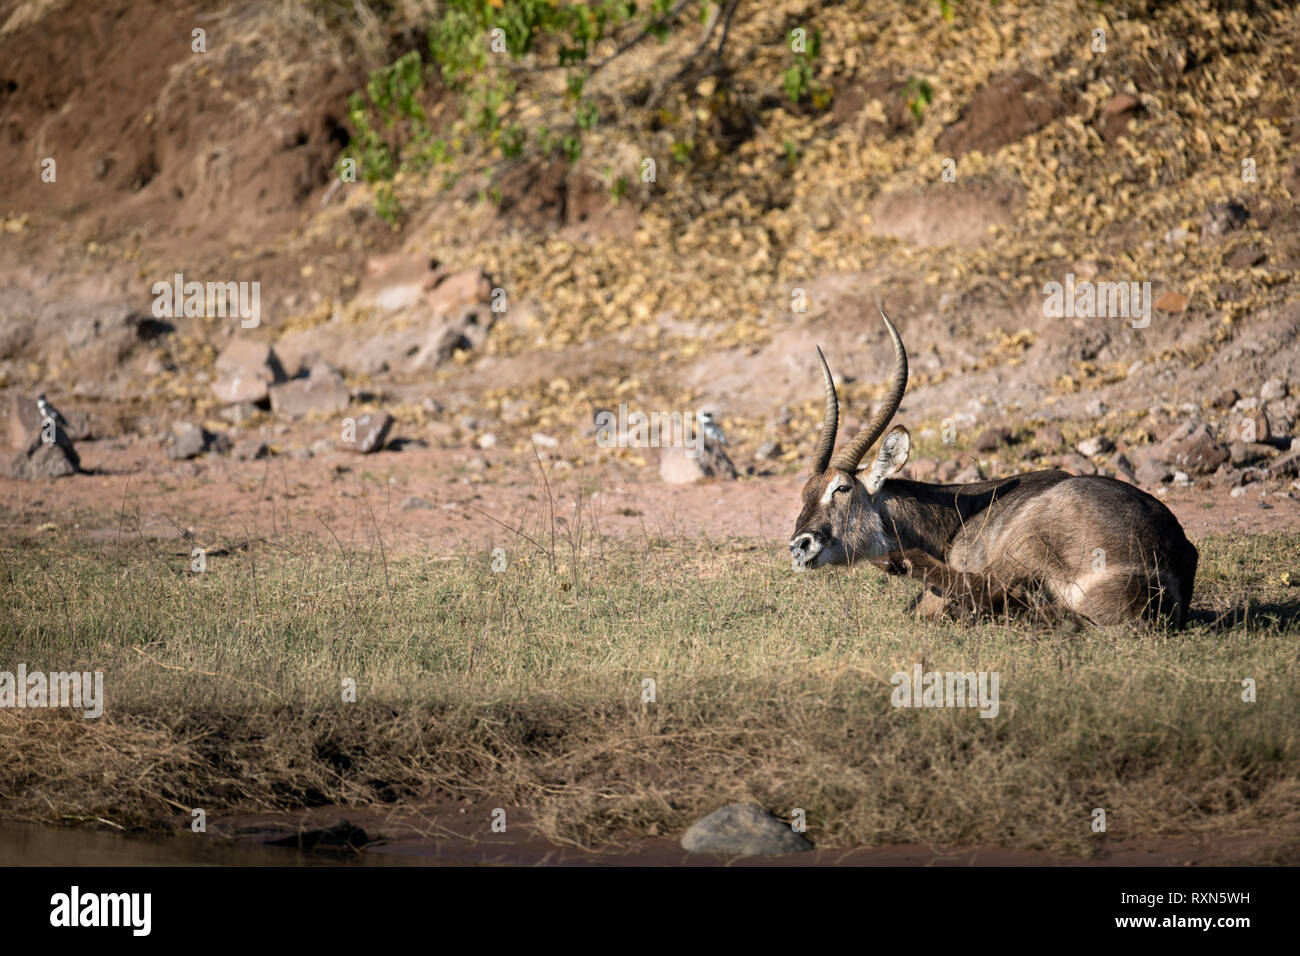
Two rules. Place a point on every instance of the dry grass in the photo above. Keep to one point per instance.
(223, 691)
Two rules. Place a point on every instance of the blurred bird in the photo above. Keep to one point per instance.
(50, 413)
(713, 460)
(712, 429)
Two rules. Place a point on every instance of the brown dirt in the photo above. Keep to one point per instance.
(130, 491)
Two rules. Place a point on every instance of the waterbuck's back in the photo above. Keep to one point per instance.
(1103, 548)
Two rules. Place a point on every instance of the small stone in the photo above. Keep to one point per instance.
(1182, 478)
(188, 441)
(371, 431)
(1273, 390)
(1287, 465)
(545, 441)
(414, 503)
(486, 441)
(323, 392)
(1149, 465)
(743, 829)
(1092, 447)
(1049, 438)
(991, 438)
(1254, 427)
(1077, 464)
(1172, 302)
(1238, 492)
(1198, 453)
(1096, 408)
(768, 449)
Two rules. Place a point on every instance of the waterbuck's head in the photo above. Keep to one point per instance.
(840, 521)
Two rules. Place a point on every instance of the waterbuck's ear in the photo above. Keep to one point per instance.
(891, 459)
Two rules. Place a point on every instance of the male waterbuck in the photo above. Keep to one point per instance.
(1094, 546)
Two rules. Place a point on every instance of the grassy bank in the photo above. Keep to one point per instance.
(224, 691)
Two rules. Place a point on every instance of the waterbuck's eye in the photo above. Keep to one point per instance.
(839, 488)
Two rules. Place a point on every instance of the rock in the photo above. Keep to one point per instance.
(1182, 478)
(487, 441)
(1115, 115)
(245, 369)
(1226, 399)
(1286, 466)
(476, 463)
(239, 391)
(1273, 390)
(677, 467)
(992, 438)
(1172, 302)
(1150, 466)
(1254, 427)
(1095, 408)
(545, 441)
(1247, 453)
(767, 449)
(1092, 447)
(1198, 453)
(968, 474)
(1228, 476)
(947, 470)
(323, 392)
(250, 449)
(188, 441)
(448, 295)
(33, 458)
(414, 503)
(23, 421)
(370, 431)
(1049, 438)
(1076, 464)
(1238, 492)
(743, 829)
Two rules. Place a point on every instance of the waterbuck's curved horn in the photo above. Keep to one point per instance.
(830, 421)
(851, 454)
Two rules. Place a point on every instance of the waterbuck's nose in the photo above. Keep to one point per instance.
(802, 544)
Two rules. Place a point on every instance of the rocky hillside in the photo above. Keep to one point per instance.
(948, 169)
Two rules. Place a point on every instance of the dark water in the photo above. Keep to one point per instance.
(27, 844)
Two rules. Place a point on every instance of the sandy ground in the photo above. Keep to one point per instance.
(131, 489)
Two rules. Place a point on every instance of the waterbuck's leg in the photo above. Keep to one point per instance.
(970, 592)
